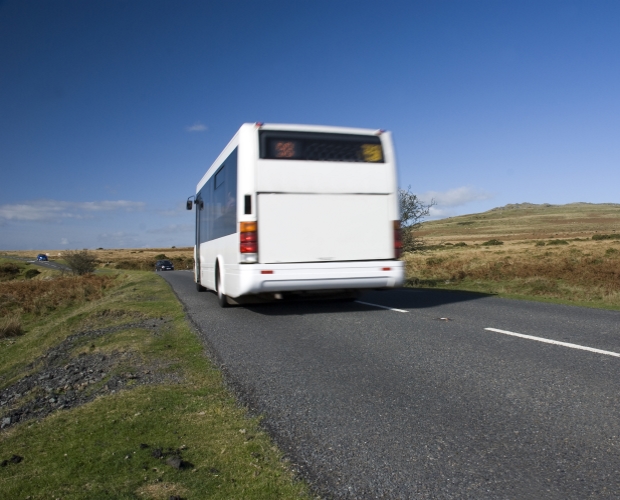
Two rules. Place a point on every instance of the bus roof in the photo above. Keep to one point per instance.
(319, 128)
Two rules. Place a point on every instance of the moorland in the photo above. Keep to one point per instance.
(561, 253)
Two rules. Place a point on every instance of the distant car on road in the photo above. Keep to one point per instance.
(164, 265)
(42, 257)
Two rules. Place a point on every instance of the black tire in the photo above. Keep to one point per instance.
(200, 288)
(221, 298)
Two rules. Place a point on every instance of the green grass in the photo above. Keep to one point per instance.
(94, 451)
(26, 270)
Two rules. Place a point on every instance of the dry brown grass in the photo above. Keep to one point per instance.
(11, 326)
(40, 296)
(139, 259)
(547, 251)
(581, 271)
(144, 259)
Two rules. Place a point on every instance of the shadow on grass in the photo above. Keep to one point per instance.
(400, 298)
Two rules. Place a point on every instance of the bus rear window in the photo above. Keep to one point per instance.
(308, 146)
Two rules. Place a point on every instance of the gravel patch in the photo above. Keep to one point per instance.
(62, 380)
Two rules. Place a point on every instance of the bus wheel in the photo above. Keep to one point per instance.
(221, 298)
(200, 288)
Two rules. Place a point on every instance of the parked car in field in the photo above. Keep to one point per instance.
(42, 257)
(164, 265)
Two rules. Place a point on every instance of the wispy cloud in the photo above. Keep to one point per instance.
(120, 239)
(178, 210)
(173, 228)
(455, 197)
(448, 201)
(43, 210)
(197, 127)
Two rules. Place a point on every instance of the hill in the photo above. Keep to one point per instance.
(526, 221)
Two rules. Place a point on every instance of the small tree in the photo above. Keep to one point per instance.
(80, 262)
(412, 212)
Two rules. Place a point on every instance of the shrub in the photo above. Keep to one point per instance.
(540, 243)
(460, 244)
(611, 251)
(80, 262)
(11, 326)
(40, 296)
(557, 242)
(135, 264)
(492, 243)
(434, 261)
(161, 256)
(8, 271)
(606, 237)
(31, 273)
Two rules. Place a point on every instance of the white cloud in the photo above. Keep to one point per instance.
(455, 197)
(41, 210)
(197, 127)
(446, 202)
(120, 239)
(64, 241)
(179, 209)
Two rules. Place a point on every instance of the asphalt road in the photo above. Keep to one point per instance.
(380, 403)
(50, 264)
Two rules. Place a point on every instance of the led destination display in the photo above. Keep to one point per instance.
(307, 146)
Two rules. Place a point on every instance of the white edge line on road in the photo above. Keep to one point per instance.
(549, 341)
(382, 307)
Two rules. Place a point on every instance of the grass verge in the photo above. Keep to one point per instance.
(112, 397)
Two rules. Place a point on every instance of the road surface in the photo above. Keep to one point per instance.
(429, 396)
(49, 264)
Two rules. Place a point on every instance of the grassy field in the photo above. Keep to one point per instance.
(567, 253)
(106, 393)
(527, 221)
(137, 259)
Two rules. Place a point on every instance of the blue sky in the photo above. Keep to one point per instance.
(111, 111)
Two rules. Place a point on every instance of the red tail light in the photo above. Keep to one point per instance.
(398, 242)
(248, 237)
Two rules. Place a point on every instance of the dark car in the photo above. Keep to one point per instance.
(42, 256)
(164, 265)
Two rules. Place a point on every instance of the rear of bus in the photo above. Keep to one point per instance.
(319, 212)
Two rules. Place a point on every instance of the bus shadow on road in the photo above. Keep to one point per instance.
(402, 298)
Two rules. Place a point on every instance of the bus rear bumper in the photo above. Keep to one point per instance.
(247, 279)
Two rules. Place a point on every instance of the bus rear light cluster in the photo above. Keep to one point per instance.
(248, 241)
(398, 242)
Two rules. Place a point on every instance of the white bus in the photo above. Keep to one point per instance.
(298, 209)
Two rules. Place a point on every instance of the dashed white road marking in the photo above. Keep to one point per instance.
(556, 342)
(382, 307)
